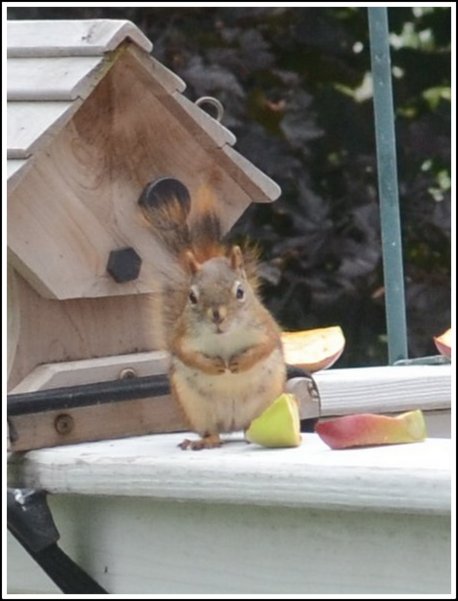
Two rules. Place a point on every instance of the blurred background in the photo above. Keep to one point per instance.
(297, 92)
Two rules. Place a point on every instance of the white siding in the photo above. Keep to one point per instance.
(62, 78)
(380, 389)
(28, 121)
(71, 37)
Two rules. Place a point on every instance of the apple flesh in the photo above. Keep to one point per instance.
(313, 349)
(369, 429)
(278, 425)
(444, 343)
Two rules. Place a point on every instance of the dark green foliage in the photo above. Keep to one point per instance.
(294, 85)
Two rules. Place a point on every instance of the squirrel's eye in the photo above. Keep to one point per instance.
(193, 297)
(239, 292)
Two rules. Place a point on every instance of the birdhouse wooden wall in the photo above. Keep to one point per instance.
(92, 118)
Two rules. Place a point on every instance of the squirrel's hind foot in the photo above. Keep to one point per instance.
(207, 442)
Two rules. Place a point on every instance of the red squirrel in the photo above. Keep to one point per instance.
(227, 363)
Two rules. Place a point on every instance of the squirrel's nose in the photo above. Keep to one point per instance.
(218, 314)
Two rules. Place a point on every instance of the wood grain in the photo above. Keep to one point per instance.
(13, 317)
(54, 331)
(96, 422)
(16, 169)
(73, 245)
(87, 184)
(256, 184)
(88, 371)
(156, 75)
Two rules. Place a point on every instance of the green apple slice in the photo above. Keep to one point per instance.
(278, 426)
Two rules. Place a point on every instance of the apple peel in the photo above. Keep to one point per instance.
(444, 343)
(278, 426)
(366, 429)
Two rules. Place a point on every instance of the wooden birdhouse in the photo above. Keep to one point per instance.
(92, 118)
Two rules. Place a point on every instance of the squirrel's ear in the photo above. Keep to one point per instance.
(192, 262)
(235, 257)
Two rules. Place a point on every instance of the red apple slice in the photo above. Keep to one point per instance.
(369, 429)
(313, 349)
(444, 343)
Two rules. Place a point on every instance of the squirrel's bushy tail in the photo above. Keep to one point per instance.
(179, 227)
(166, 205)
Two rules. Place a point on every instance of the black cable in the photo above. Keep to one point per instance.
(30, 521)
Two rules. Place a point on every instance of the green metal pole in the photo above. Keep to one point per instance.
(388, 185)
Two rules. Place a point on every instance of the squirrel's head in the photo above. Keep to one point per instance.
(219, 291)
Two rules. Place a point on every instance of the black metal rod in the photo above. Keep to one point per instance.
(65, 573)
(30, 521)
(88, 394)
(83, 395)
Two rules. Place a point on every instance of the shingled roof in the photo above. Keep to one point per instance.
(53, 66)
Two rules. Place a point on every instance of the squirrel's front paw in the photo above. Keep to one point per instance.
(234, 364)
(218, 365)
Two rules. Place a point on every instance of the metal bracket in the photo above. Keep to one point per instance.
(30, 521)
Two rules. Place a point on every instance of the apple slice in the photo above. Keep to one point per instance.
(313, 349)
(278, 425)
(444, 343)
(369, 429)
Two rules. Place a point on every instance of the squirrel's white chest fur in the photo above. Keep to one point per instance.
(224, 345)
(226, 402)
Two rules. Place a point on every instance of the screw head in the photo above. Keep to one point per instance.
(64, 423)
(127, 373)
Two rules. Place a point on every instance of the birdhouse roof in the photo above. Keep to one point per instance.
(93, 117)
(52, 68)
